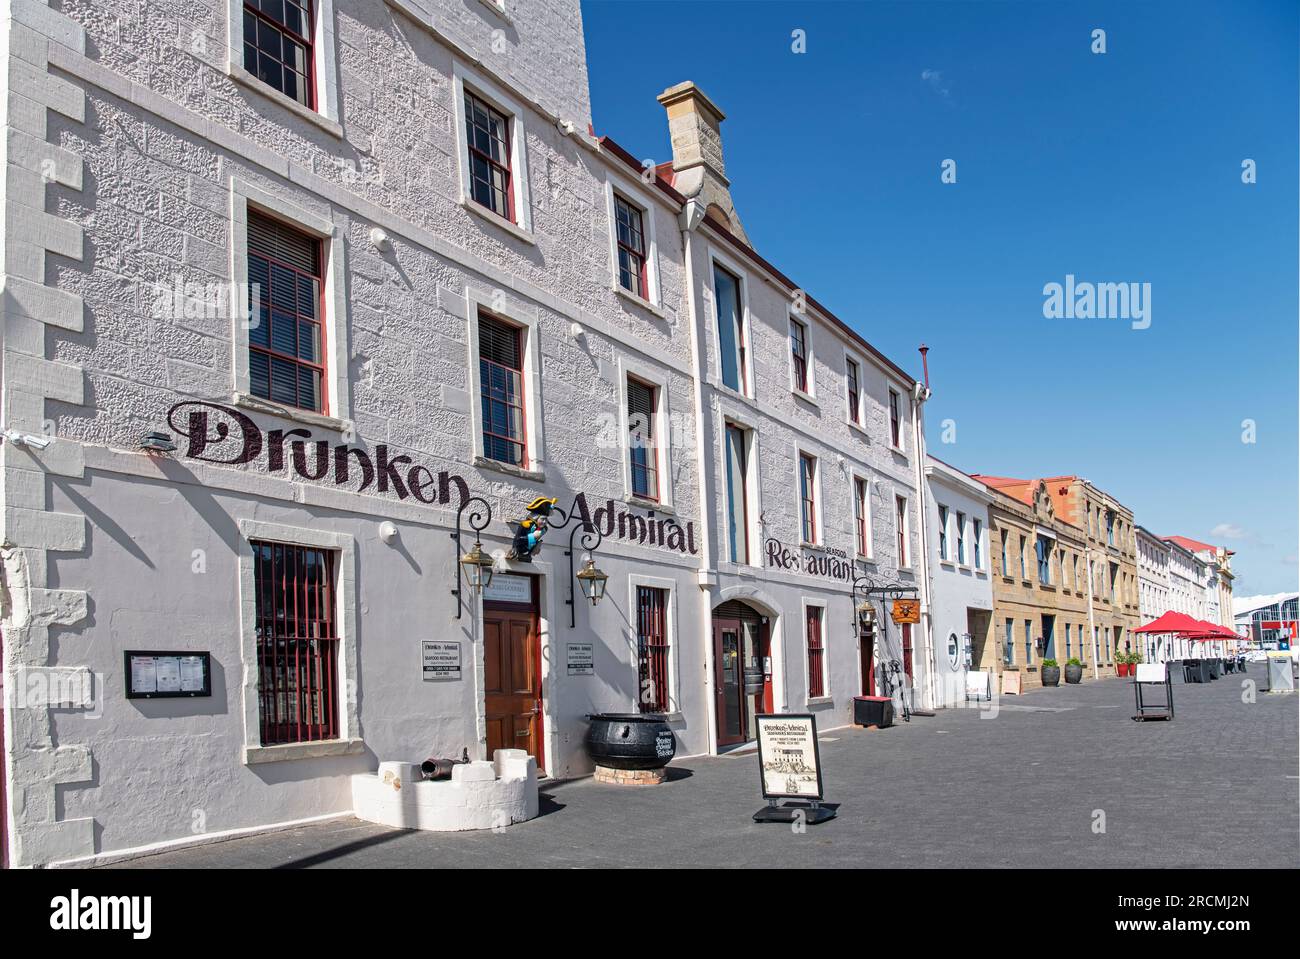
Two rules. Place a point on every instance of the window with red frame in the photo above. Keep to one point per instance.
(641, 438)
(816, 654)
(808, 496)
(855, 404)
(907, 649)
(895, 427)
(487, 131)
(630, 234)
(297, 643)
(278, 37)
(900, 508)
(652, 649)
(860, 515)
(799, 354)
(286, 341)
(501, 383)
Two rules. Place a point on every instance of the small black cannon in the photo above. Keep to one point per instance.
(435, 768)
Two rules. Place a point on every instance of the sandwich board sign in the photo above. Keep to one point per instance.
(789, 764)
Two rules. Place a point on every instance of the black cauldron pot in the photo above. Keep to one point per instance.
(630, 740)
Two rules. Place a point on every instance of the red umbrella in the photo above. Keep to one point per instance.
(1172, 622)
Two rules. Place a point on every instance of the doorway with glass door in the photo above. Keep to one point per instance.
(742, 658)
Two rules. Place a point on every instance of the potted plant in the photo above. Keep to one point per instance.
(1073, 671)
(1051, 673)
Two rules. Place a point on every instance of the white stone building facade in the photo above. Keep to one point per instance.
(961, 606)
(353, 303)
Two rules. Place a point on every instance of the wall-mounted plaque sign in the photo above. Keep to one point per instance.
(509, 588)
(581, 659)
(152, 674)
(441, 660)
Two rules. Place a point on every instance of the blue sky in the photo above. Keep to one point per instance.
(1117, 167)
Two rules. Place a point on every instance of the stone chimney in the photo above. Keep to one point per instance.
(699, 173)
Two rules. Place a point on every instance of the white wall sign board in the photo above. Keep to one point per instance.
(441, 660)
(581, 659)
(509, 588)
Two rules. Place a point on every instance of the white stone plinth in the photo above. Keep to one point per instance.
(479, 795)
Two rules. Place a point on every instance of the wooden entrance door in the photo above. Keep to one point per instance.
(867, 658)
(513, 681)
(729, 682)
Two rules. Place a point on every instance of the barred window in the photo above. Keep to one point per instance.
(816, 654)
(286, 341)
(297, 644)
(652, 648)
(278, 38)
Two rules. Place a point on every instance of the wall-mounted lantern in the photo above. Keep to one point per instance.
(475, 565)
(592, 580)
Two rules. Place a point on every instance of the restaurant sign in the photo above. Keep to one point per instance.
(822, 561)
(224, 436)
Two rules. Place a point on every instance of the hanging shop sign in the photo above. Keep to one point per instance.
(161, 675)
(789, 765)
(441, 660)
(225, 436)
(581, 659)
(906, 611)
(823, 561)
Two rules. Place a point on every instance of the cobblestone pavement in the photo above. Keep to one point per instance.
(1217, 787)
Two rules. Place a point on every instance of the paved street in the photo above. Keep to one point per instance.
(1217, 787)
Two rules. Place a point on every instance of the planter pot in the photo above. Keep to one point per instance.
(1122, 669)
(630, 740)
(1073, 674)
(1051, 675)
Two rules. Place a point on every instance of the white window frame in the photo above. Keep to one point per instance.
(737, 270)
(960, 540)
(334, 296)
(854, 476)
(463, 77)
(819, 531)
(634, 197)
(324, 66)
(978, 529)
(861, 424)
(827, 696)
(511, 312)
(670, 611)
(345, 613)
(809, 394)
(753, 493)
(904, 561)
(945, 535)
(662, 432)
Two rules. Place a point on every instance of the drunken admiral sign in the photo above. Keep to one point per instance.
(225, 436)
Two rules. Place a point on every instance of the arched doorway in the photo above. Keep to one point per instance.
(742, 660)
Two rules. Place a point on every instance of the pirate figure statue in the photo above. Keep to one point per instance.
(528, 532)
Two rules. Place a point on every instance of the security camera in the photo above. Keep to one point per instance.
(27, 439)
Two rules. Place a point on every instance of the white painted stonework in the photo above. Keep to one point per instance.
(962, 588)
(131, 161)
(479, 795)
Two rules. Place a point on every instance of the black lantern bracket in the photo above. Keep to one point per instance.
(479, 516)
(589, 542)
